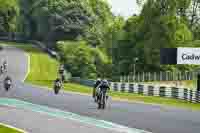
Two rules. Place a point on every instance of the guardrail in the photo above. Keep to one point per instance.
(36, 43)
(148, 90)
(161, 91)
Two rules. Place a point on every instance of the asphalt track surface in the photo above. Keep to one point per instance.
(153, 118)
(27, 120)
(33, 122)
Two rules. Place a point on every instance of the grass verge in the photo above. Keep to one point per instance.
(44, 70)
(4, 129)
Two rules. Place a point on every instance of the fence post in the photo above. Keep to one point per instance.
(175, 76)
(181, 74)
(160, 75)
(143, 76)
(128, 78)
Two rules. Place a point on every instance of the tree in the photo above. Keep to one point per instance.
(84, 61)
(157, 27)
(53, 20)
(9, 10)
(194, 18)
(96, 32)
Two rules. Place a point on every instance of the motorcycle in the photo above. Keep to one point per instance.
(101, 99)
(8, 85)
(2, 69)
(57, 88)
(5, 67)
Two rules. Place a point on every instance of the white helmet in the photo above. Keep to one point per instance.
(98, 79)
(104, 81)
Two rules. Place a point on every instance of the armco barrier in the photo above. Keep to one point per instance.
(149, 90)
(161, 91)
(89, 83)
(34, 42)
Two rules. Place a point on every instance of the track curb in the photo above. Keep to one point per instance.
(12, 127)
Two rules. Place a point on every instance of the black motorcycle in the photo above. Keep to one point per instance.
(57, 88)
(1, 70)
(7, 85)
(101, 99)
(5, 67)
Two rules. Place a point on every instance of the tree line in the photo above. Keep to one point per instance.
(93, 42)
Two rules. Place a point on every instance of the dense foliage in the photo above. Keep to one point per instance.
(93, 42)
(9, 10)
(82, 60)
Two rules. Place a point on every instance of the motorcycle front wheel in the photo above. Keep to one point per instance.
(56, 90)
(7, 88)
(103, 102)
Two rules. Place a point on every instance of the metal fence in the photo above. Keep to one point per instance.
(149, 90)
(161, 91)
(160, 76)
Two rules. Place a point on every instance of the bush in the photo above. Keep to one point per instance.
(83, 60)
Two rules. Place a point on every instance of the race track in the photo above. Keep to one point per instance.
(153, 118)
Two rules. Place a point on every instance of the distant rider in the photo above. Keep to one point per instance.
(97, 83)
(5, 65)
(2, 69)
(61, 69)
(7, 82)
(57, 83)
(61, 72)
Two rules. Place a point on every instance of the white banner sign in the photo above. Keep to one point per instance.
(188, 56)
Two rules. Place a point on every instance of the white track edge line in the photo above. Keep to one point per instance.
(12, 127)
(28, 69)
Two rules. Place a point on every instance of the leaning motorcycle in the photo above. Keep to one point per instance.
(1, 70)
(7, 85)
(56, 89)
(5, 67)
(101, 99)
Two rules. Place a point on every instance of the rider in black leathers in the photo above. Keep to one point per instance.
(104, 86)
(1, 69)
(97, 83)
(7, 82)
(61, 72)
(57, 83)
(5, 65)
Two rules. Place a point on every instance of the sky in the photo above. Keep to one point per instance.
(124, 8)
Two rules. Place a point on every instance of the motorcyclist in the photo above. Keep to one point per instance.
(97, 83)
(57, 83)
(5, 64)
(7, 82)
(104, 86)
(2, 69)
(61, 69)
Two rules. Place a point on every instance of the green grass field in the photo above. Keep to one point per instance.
(44, 71)
(4, 129)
